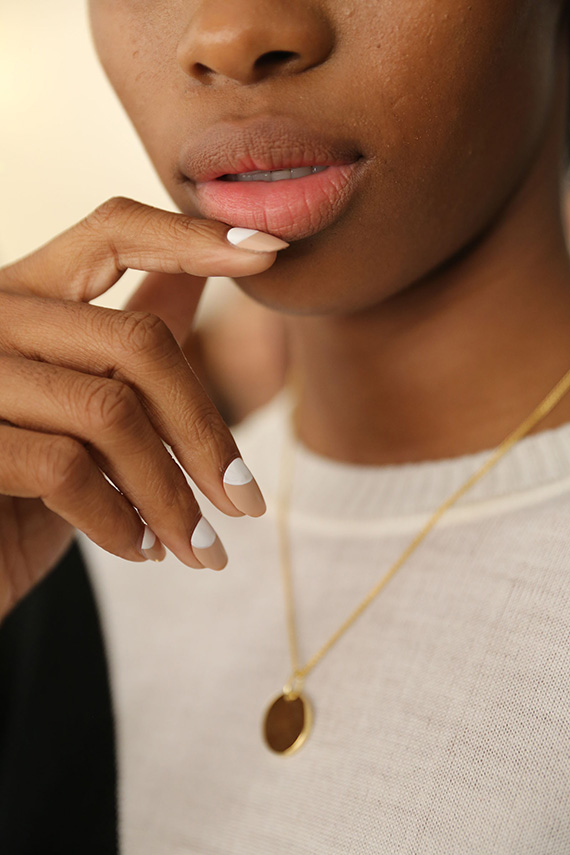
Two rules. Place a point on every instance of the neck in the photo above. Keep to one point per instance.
(454, 363)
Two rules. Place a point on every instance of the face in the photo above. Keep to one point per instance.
(442, 103)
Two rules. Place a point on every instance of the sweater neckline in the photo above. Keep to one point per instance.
(536, 467)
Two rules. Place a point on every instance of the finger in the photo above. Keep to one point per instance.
(140, 351)
(59, 470)
(87, 259)
(108, 418)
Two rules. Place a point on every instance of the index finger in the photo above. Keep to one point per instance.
(87, 259)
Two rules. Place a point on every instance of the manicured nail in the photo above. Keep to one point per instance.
(151, 547)
(207, 546)
(255, 240)
(242, 489)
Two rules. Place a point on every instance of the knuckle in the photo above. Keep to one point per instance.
(174, 492)
(202, 229)
(109, 404)
(211, 432)
(63, 467)
(143, 333)
(109, 211)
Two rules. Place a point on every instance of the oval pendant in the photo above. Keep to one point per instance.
(287, 723)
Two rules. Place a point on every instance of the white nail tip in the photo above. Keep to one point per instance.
(237, 474)
(237, 235)
(204, 535)
(149, 538)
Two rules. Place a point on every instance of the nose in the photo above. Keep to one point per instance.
(248, 41)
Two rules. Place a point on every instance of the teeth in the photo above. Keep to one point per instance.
(275, 175)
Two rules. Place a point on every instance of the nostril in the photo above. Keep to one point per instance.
(275, 56)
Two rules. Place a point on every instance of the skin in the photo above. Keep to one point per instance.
(426, 322)
(438, 305)
(86, 391)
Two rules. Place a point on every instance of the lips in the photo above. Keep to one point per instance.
(290, 209)
(262, 145)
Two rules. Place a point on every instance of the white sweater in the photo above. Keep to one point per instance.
(442, 716)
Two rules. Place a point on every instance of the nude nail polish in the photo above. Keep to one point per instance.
(151, 547)
(242, 489)
(207, 546)
(255, 240)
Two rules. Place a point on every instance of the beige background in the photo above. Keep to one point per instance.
(66, 144)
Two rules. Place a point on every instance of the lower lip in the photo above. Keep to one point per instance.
(291, 209)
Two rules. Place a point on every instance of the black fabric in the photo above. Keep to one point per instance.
(57, 747)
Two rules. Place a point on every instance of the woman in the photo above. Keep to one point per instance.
(424, 279)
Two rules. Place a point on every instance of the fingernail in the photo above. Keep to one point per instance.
(242, 489)
(207, 546)
(255, 240)
(151, 547)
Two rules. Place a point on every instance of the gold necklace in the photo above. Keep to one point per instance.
(289, 717)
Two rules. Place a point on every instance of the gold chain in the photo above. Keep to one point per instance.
(293, 688)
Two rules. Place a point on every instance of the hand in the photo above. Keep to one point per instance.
(88, 392)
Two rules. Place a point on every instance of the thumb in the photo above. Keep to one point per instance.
(173, 297)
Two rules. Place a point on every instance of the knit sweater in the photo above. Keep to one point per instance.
(442, 716)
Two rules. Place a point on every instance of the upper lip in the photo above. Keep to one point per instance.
(273, 142)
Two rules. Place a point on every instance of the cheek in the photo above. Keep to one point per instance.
(456, 103)
(132, 41)
(105, 19)
(464, 91)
